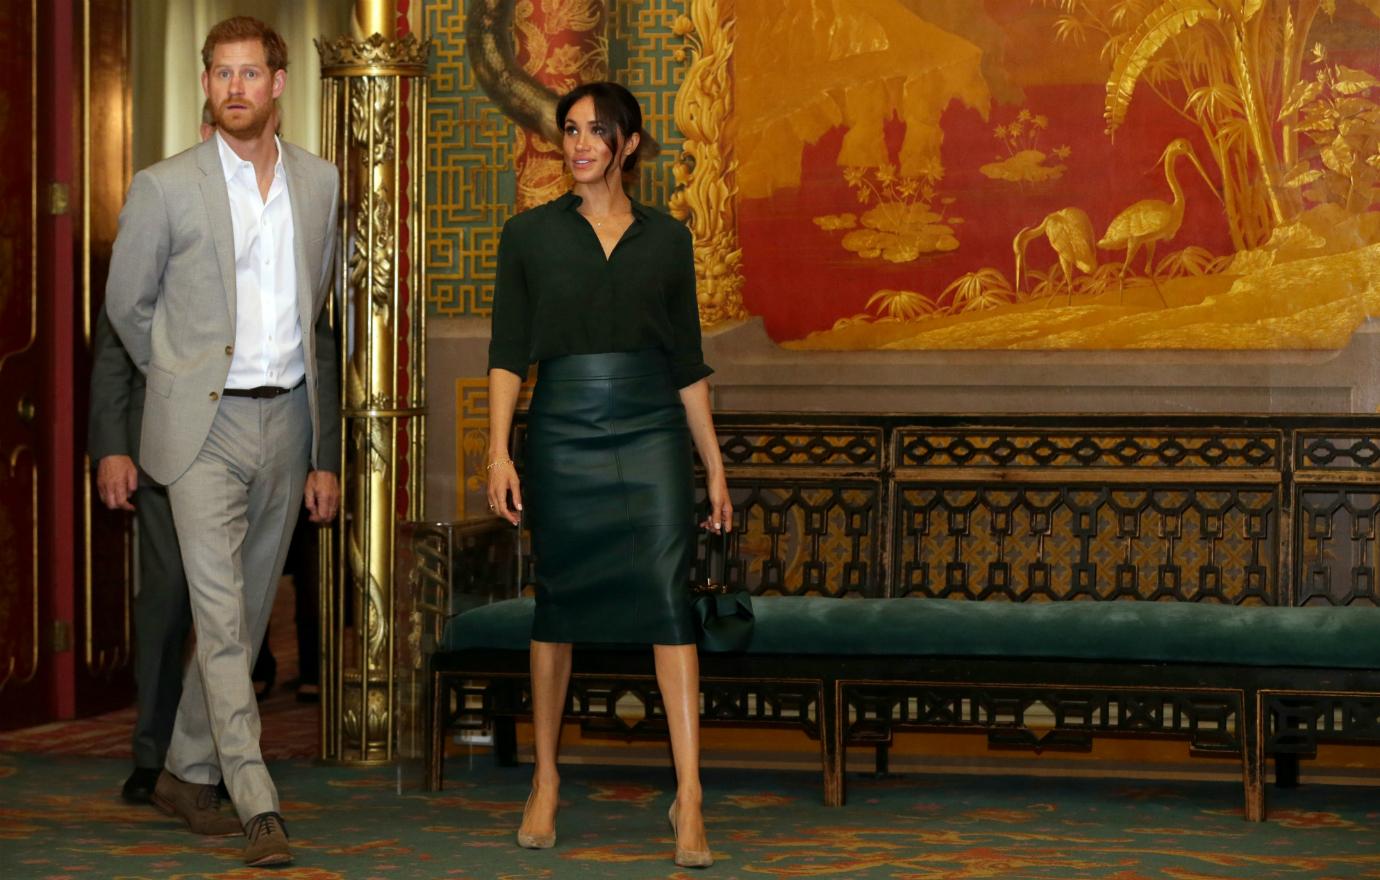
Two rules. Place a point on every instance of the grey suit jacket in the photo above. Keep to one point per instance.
(171, 298)
(117, 397)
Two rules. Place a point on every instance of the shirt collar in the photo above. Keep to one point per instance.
(570, 201)
(231, 163)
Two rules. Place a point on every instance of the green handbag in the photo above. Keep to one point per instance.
(724, 616)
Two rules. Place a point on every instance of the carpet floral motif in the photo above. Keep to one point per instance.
(61, 818)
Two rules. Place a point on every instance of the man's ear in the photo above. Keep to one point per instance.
(206, 83)
(279, 82)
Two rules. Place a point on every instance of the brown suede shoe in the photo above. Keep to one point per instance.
(197, 805)
(266, 841)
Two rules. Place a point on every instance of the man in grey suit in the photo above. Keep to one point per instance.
(162, 616)
(218, 279)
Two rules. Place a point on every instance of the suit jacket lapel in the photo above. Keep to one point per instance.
(217, 199)
(303, 218)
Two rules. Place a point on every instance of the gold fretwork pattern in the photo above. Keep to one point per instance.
(821, 508)
(470, 143)
(647, 56)
(633, 707)
(821, 446)
(1052, 715)
(1022, 544)
(1337, 451)
(469, 173)
(799, 540)
(1210, 449)
(1340, 557)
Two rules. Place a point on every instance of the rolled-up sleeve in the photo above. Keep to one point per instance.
(510, 342)
(687, 354)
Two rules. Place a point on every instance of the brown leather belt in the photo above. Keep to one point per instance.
(263, 392)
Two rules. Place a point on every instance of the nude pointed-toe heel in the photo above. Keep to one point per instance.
(534, 841)
(687, 858)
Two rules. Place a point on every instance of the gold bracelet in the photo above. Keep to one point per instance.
(493, 464)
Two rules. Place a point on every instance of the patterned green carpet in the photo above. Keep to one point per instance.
(62, 818)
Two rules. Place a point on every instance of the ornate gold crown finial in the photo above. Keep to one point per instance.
(377, 56)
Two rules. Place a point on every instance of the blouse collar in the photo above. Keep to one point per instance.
(570, 201)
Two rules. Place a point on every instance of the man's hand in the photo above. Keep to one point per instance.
(116, 480)
(322, 496)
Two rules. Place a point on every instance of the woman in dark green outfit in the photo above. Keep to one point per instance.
(599, 292)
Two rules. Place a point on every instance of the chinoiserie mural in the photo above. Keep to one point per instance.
(957, 174)
(924, 174)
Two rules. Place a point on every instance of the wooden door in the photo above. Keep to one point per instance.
(65, 562)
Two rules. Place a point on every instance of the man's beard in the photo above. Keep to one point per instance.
(248, 124)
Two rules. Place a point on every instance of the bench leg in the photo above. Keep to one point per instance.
(1287, 771)
(832, 753)
(883, 759)
(1253, 756)
(504, 705)
(505, 741)
(436, 734)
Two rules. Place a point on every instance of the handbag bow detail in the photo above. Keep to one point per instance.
(724, 616)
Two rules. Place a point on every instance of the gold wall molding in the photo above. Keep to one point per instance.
(706, 171)
(10, 672)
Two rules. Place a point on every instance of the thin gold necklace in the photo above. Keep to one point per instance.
(598, 222)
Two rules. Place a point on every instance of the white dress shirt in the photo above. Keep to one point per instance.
(268, 334)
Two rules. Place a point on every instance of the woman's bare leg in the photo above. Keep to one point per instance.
(550, 676)
(678, 677)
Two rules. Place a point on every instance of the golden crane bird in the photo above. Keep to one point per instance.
(1070, 233)
(1148, 222)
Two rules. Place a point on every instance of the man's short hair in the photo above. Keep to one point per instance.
(243, 27)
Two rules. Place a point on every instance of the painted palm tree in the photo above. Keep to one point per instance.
(984, 289)
(1151, 221)
(1070, 233)
(901, 305)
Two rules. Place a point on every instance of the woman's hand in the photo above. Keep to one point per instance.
(720, 507)
(505, 494)
(696, 400)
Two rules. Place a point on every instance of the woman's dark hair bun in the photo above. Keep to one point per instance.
(647, 150)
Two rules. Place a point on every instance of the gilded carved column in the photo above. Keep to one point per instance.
(373, 105)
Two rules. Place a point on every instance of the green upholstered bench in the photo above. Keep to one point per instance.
(1094, 666)
(1042, 579)
(1119, 632)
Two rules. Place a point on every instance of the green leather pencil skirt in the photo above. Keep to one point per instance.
(610, 498)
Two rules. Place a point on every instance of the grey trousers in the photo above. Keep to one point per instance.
(162, 619)
(235, 509)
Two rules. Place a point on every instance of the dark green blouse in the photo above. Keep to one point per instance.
(557, 294)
